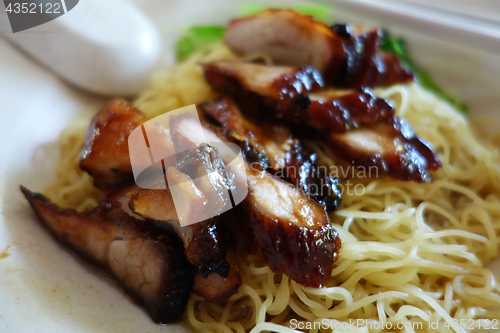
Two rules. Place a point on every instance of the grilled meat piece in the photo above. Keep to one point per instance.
(215, 288)
(343, 110)
(208, 248)
(391, 147)
(346, 56)
(290, 231)
(205, 242)
(153, 204)
(288, 38)
(105, 155)
(149, 262)
(283, 86)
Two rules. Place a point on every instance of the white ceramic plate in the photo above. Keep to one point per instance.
(46, 288)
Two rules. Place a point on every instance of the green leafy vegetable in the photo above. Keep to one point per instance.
(398, 47)
(196, 38)
(320, 12)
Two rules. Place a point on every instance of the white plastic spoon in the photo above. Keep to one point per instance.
(106, 47)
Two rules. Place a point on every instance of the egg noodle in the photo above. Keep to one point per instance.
(411, 253)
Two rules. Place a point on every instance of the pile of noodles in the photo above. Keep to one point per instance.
(412, 253)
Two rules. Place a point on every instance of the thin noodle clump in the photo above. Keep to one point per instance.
(412, 254)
